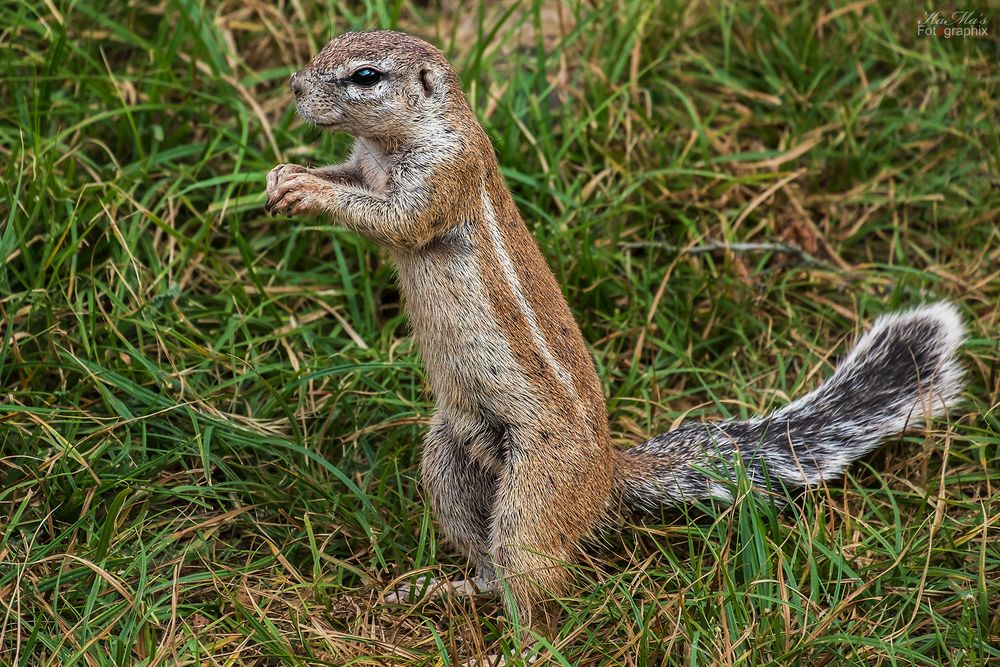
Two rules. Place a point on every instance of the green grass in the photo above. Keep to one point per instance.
(209, 419)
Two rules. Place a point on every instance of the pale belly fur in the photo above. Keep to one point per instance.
(469, 363)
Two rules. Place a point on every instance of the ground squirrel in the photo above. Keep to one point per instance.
(518, 460)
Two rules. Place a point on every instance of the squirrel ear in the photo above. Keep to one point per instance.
(429, 82)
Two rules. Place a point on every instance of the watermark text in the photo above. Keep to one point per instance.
(953, 24)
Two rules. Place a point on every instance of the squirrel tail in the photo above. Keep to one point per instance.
(901, 372)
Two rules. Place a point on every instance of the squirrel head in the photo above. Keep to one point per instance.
(383, 85)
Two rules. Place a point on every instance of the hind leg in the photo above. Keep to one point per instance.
(549, 499)
(462, 494)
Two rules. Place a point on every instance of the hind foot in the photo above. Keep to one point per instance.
(427, 588)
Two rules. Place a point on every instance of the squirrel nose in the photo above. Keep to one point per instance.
(296, 84)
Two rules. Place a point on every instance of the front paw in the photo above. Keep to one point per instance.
(275, 178)
(293, 189)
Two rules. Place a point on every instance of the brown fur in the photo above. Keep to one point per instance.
(518, 463)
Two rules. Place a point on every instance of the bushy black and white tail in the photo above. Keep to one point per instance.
(900, 373)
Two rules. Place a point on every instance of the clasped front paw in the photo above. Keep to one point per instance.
(292, 189)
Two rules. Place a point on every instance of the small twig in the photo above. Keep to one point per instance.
(785, 248)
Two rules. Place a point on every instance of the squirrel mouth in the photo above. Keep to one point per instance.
(324, 123)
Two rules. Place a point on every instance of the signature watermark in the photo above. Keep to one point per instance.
(953, 24)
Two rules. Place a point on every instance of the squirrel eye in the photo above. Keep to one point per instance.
(366, 76)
